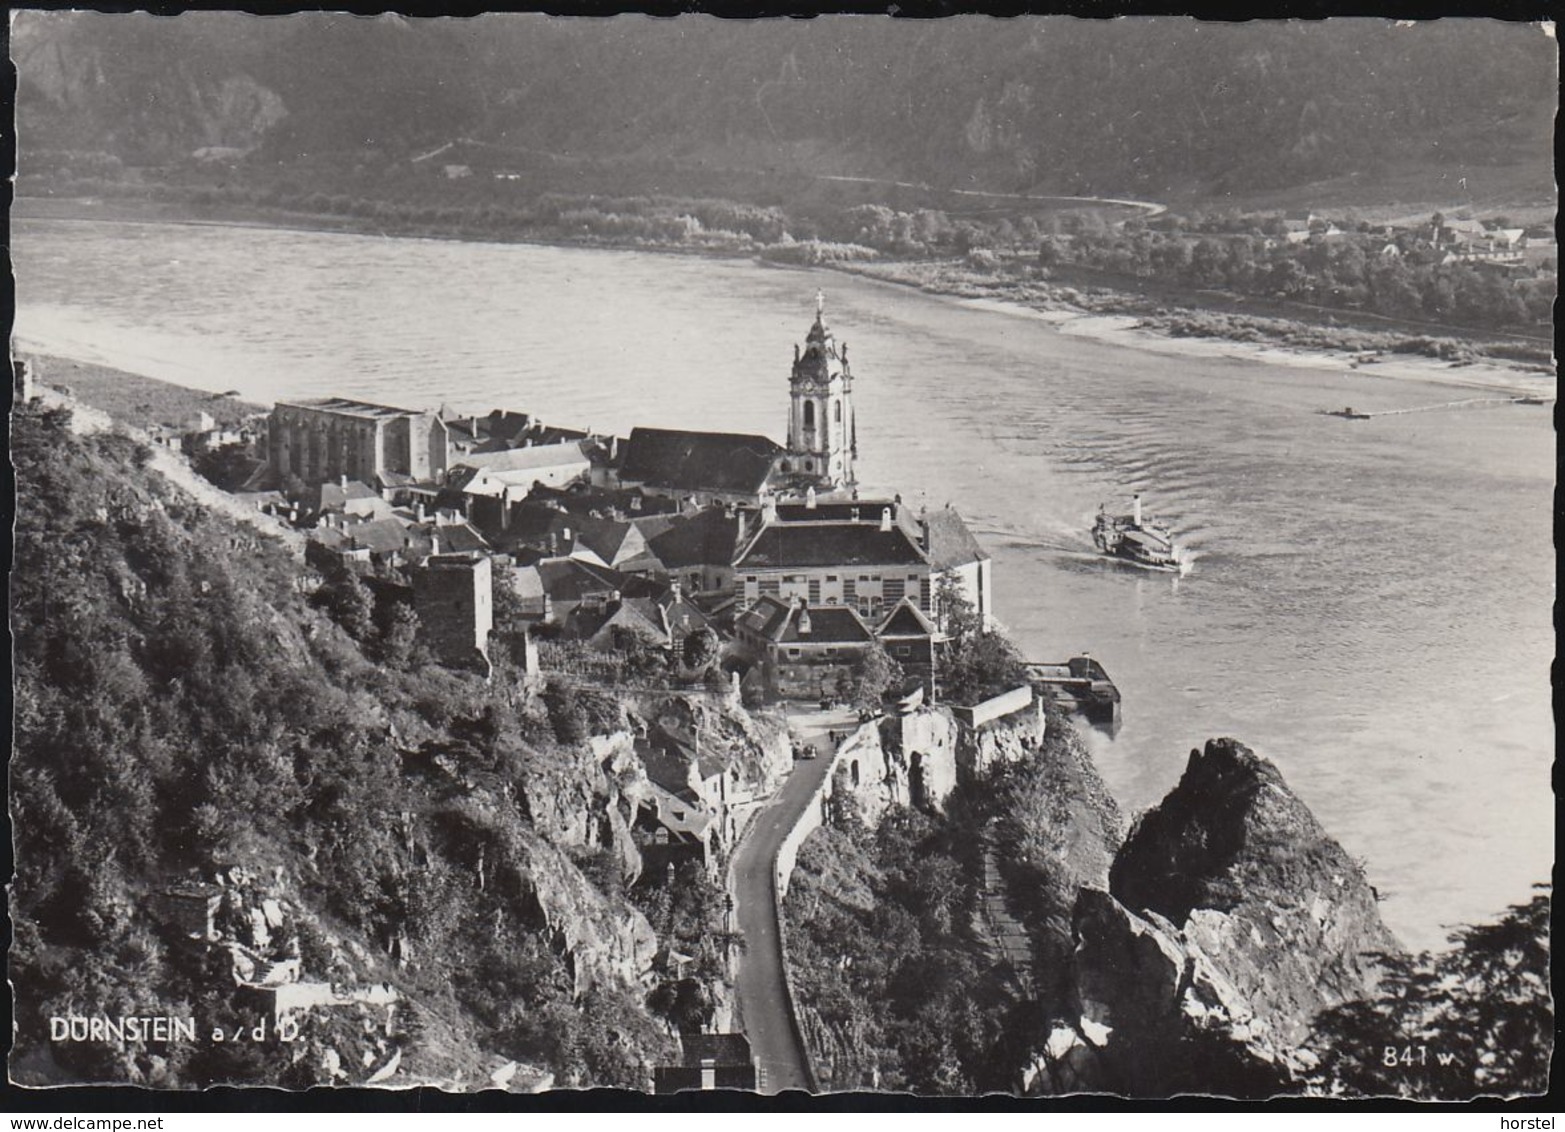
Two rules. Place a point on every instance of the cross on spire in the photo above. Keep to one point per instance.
(820, 304)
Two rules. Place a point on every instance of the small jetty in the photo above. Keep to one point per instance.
(1081, 687)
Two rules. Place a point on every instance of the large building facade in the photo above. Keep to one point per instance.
(329, 438)
(865, 554)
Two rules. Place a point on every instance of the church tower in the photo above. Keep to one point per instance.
(822, 436)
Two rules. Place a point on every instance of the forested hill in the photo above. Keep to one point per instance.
(1146, 106)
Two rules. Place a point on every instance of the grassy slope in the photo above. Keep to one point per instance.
(138, 401)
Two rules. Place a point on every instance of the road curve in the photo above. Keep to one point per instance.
(762, 995)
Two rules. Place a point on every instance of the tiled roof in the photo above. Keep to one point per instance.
(699, 461)
(455, 538)
(682, 616)
(707, 538)
(379, 536)
(906, 620)
(347, 407)
(604, 537)
(666, 768)
(569, 579)
(828, 624)
(837, 510)
(526, 459)
(831, 544)
(636, 615)
(762, 617)
(951, 544)
(682, 812)
(566, 579)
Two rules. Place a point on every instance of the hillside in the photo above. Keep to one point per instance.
(198, 719)
(1161, 107)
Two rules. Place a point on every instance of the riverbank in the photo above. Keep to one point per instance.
(1152, 324)
(1127, 321)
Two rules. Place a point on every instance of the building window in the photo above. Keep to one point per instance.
(749, 579)
(809, 414)
(793, 654)
(836, 411)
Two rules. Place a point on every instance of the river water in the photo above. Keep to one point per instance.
(1370, 605)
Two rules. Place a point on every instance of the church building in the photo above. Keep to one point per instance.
(702, 468)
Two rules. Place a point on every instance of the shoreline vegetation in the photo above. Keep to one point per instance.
(1139, 314)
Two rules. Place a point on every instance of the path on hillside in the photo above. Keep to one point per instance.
(762, 994)
(174, 467)
(1004, 937)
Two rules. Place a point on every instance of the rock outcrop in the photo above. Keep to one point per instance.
(1056, 832)
(1230, 920)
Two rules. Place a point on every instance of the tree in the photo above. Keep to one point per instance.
(701, 648)
(348, 603)
(877, 672)
(1475, 1020)
(974, 662)
(1050, 251)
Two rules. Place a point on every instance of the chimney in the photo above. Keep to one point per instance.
(708, 1073)
(342, 481)
(809, 499)
(474, 426)
(434, 543)
(675, 593)
(1136, 508)
(804, 620)
(885, 519)
(505, 507)
(768, 509)
(418, 510)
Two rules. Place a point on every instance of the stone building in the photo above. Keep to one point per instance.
(328, 438)
(454, 598)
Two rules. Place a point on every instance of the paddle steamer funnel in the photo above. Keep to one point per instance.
(1136, 509)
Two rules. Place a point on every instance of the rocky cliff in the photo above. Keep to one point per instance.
(1230, 919)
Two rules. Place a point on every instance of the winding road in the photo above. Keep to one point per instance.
(760, 990)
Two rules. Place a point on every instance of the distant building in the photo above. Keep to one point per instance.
(710, 1061)
(454, 598)
(325, 439)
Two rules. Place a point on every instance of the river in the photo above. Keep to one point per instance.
(1370, 605)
